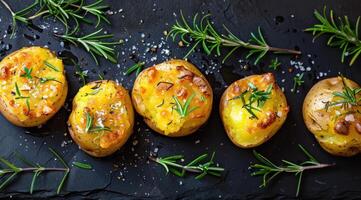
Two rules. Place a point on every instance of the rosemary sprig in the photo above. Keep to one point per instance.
(27, 73)
(256, 96)
(347, 98)
(341, 34)
(94, 44)
(297, 81)
(65, 11)
(171, 164)
(136, 67)
(269, 170)
(202, 32)
(89, 125)
(184, 110)
(275, 63)
(12, 171)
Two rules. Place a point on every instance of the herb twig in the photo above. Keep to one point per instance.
(136, 67)
(297, 81)
(256, 96)
(275, 63)
(202, 32)
(341, 34)
(12, 171)
(347, 98)
(94, 44)
(184, 110)
(198, 165)
(269, 170)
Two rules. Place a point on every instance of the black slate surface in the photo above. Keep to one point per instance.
(128, 174)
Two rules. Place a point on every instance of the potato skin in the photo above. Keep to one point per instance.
(110, 106)
(322, 122)
(247, 132)
(44, 98)
(155, 89)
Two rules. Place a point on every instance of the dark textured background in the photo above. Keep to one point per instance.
(128, 173)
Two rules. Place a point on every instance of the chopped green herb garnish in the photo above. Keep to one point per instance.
(89, 125)
(46, 79)
(256, 96)
(184, 110)
(51, 66)
(27, 73)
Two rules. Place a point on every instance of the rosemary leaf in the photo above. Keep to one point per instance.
(82, 165)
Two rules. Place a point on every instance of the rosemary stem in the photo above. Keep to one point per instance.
(229, 43)
(194, 169)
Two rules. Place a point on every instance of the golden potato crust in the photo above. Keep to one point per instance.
(159, 92)
(102, 118)
(337, 128)
(243, 128)
(33, 86)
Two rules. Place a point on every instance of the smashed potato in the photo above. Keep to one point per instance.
(102, 118)
(335, 123)
(33, 86)
(253, 109)
(174, 98)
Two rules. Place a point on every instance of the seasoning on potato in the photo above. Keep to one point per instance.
(331, 111)
(253, 109)
(33, 86)
(102, 118)
(174, 98)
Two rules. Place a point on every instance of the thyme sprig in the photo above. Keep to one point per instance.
(136, 67)
(347, 98)
(256, 99)
(13, 171)
(65, 11)
(202, 32)
(94, 44)
(269, 170)
(341, 33)
(184, 109)
(198, 165)
(297, 81)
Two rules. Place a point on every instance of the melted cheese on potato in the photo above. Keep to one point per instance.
(102, 118)
(242, 127)
(33, 86)
(337, 128)
(157, 89)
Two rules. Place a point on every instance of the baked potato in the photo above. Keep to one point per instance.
(102, 118)
(174, 98)
(253, 109)
(33, 86)
(333, 118)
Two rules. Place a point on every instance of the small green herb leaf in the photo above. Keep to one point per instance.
(82, 165)
(27, 73)
(136, 67)
(49, 65)
(184, 110)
